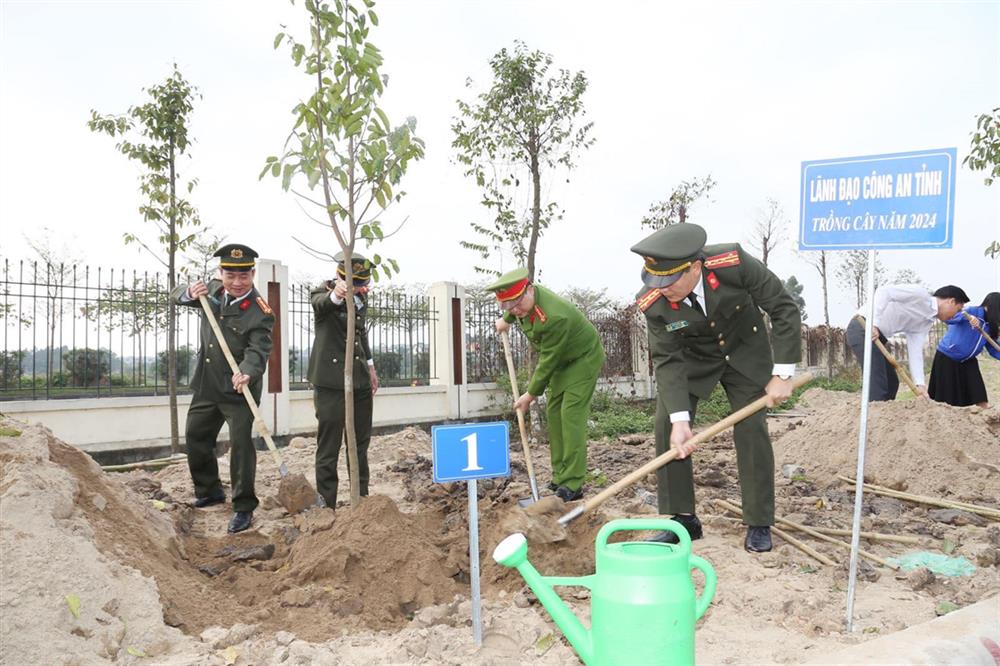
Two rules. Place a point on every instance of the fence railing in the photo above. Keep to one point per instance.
(400, 325)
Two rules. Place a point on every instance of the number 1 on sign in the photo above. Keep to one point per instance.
(472, 449)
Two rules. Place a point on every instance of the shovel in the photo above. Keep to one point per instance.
(975, 324)
(295, 493)
(892, 360)
(520, 424)
(662, 459)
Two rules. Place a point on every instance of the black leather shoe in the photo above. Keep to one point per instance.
(567, 495)
(690, 523)
(241, 521)
(202, 502)
(758, 539)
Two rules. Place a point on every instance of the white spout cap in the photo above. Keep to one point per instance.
(509, 547)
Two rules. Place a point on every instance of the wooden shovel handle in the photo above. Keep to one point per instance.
(505, 337)
(975, 325)
(234, 366)
(892, 360)
(662, 459)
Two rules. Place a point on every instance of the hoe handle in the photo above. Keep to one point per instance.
(520, 415)
(892, 360)
(662, 459)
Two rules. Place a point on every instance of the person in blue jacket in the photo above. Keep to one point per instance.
(955, 376)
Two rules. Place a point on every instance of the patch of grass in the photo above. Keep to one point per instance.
(9, 432)
(611, 416)
(596, 478)
(712, 409)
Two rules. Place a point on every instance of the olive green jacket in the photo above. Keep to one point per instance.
(326, 361)
(247, 330)
(569, 347)
(690, 351)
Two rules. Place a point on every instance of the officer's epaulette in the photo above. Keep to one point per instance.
(647, 299)
(263, 305)
(731, 258)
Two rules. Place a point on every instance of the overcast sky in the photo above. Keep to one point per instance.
(742, 91)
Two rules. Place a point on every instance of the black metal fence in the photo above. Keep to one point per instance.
(620, 333)
(401, 328)
(72, 331)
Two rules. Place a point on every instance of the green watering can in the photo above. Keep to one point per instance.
(643, 605)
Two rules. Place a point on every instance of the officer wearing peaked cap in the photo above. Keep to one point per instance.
(326, 373)
(702, 305)
(570, 357)
(246, 322)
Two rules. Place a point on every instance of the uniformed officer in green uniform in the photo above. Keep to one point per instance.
(246, 322)
(702, 305)
(570, 357)
(326, 373)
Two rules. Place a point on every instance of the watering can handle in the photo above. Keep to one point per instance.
(635, 524)
(708, 593)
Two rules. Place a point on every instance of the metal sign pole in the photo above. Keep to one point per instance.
(859, 475)
(477, 622)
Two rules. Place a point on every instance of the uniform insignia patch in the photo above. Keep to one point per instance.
(712, 280)
(540, 313)
(724, 260)
(263, 305)
(675, 306)
(648, 299)
(677, 325)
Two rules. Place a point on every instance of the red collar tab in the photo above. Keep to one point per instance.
(646, 300)
(713, 281)
(675, 306)
(244, 304)
(512, 292)
(540, 313)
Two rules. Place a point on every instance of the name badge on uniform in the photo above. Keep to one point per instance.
(677, 325)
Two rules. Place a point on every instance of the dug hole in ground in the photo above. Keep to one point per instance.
(117, 568)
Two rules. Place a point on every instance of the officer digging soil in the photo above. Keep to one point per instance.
(702, 305)
(246, 322)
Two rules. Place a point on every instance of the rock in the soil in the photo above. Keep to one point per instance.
(956, 517)
(645, 496)
(886, 507)
(259, 552)
(284, 638)
(993, 535)
(214, 569)
(986, 555)
(866, 571)
(793, 470)
(920, 578)
(300, 652)
(296, 494)
(234, 636)
(632, 440)
(298, 443)
(432, 615)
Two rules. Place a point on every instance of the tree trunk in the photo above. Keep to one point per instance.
(175, 440)
(352, 439)
(826, 315)
(536, 204)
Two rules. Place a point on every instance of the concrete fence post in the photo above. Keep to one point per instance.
(448, 344)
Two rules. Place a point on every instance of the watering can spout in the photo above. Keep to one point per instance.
(513, 552)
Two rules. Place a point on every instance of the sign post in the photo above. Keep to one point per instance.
(895, 201)
(468, 452)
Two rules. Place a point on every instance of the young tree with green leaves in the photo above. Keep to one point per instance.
(674, 209)
(343, 145)
(984, 155)
(155, 134)
(528, 125)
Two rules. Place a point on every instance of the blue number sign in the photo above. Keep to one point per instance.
(902, 200)
(470, 451)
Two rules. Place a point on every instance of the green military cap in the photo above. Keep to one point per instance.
(236, 257)
(361, 267)
(669, 252)
(510, 286)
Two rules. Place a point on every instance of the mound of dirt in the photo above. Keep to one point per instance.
(919, 446)
(63, 596)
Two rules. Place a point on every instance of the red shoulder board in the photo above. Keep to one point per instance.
(647, 299)
(724, 260)
(263, 305)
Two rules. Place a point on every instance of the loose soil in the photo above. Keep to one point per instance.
(388, 581)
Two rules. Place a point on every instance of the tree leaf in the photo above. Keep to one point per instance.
(135, 652)
(73, 602)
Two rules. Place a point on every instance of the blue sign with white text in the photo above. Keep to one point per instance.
(470, 451)
(897, 201)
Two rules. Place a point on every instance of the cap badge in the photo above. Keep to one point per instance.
(236, 253)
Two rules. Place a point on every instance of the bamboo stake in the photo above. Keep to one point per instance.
(975, 324)
(892, 360)
(822, 537)
(871, 536)
(932, 501)
(815, 554)
(145, 464)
